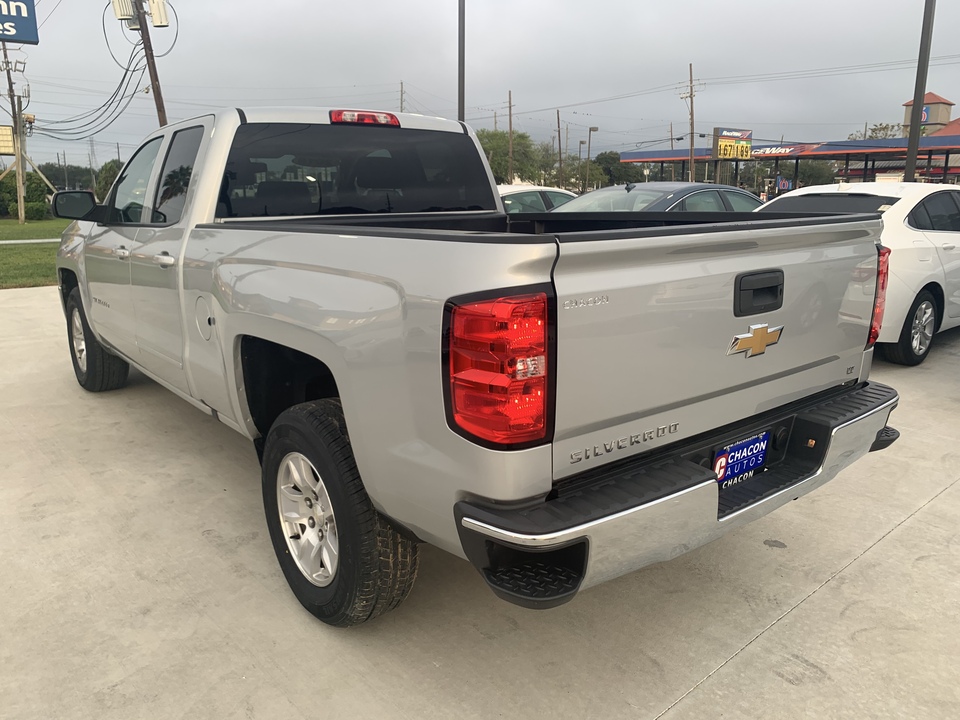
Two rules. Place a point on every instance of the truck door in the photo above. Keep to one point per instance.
(108, 248)
(155, 263)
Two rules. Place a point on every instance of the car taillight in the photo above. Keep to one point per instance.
(498, 368)
(364, 117)
(883, 275)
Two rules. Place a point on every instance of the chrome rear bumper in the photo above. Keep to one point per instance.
(656, 513)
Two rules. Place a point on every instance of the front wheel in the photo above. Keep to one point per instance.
(917, 333)
(344, 561)
(96, 369)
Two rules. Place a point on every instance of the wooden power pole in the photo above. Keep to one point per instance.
(17, 136)
(151, 63)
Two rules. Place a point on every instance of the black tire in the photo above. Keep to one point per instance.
(910, 349)
(376, 566)
(97, 370)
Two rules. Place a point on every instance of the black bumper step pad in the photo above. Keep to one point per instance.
(534, 580)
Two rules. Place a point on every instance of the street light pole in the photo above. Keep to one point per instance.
(590, 133)
(461, 110)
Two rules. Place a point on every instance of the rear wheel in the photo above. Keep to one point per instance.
(344, 561)
(916, 336)
(96, 369)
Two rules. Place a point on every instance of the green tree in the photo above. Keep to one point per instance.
(545, 159)
(35, 189)
(71, 176)
(108, 173)
(616, 172)
(496, 146)
(878, 132)
(8, 195)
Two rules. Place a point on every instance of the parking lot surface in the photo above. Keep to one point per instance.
(138, 581)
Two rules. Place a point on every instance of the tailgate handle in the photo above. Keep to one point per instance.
(758, 292)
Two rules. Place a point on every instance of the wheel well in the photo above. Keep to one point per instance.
(276, 377)
(937, 292)
(68, 281)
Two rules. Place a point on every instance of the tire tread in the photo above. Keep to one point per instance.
(388, 561)
(105, 371)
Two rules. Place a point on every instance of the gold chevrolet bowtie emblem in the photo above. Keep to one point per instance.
(756, 341)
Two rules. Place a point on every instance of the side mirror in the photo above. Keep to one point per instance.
(74, 205)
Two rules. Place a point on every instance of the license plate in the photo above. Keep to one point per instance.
(740, 461)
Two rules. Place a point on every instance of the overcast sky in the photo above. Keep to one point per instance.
(550, 53)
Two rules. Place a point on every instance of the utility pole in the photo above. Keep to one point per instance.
(559, 152)
(590, 133)
(17, 136)
(580, 165)
(690, 94)
(151, 63)
(401, 96)
(510, 137)
(93, 177)
(495, 128)
(673, 165)
(923, 63)
(66, 179)
(93, 155)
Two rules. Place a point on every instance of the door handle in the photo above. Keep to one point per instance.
(758, 292)
(949, 246)
(121, 252)
(164, 259)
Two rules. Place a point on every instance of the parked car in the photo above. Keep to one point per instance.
(532, 198)
(664, 196)
(921, 226)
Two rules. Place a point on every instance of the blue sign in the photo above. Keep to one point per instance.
(784, 183)
(925, 114)
(18, 22)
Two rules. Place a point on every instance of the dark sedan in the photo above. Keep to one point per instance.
(663, 196)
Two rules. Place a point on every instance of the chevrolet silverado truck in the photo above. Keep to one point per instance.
(559, 399)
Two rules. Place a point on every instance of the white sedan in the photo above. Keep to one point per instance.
(921, 226)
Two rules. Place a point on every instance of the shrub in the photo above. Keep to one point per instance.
(36, 210)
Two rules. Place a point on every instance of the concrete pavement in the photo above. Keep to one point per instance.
(138, 581)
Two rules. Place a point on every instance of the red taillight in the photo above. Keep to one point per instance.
(364, 117)
(498, 368)
(883, 274)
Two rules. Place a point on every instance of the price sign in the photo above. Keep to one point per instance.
(733, 150)
(732, 144)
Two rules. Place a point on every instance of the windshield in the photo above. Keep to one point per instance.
(277, 169)
(832, 203)
(613, 200)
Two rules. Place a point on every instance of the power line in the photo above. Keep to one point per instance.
(50, 15)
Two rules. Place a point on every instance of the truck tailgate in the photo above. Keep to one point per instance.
(650, 347)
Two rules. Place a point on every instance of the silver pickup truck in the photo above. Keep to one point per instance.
(559, 399)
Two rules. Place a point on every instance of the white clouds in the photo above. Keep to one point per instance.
(548, 52)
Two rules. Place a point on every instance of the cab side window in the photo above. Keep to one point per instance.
(524, 202)
(944, 212)
(130, 190)
(741, 202)
(175, 176)
(705, 201)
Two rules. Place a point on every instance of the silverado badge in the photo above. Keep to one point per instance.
(756, 341)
